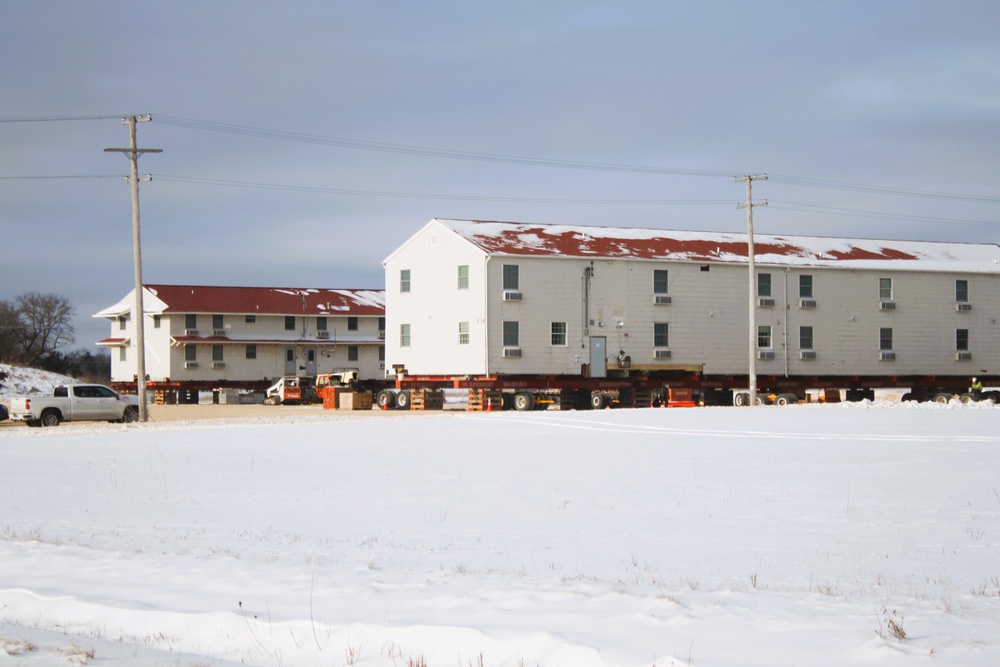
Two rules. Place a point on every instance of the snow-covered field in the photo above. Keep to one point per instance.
(805, 535)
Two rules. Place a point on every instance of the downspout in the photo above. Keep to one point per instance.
(785, 327)
(587, 274)
(486, 315)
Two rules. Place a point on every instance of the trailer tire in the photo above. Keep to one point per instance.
(967, 398)
(386, 399)
(524, 402)
(741, 399)
(403, 400)
(786, 399)
(598, 401)
(942, 398)
(990, 397)
(761, 399)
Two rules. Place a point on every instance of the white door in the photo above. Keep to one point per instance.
(310, 362)
(598, 357)
(289, 361)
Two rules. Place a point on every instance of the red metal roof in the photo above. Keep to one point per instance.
(268, 300)
(521, 239)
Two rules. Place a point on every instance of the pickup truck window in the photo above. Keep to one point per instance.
(83, 392)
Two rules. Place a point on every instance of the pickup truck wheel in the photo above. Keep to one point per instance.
(130, 415)
(50, 418)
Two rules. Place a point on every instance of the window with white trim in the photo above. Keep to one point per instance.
(764, 336)
(463, 333)
(661, 334)
(557, 334)
(463, 276)
(511, 277)
(511, 333)
(404, 335)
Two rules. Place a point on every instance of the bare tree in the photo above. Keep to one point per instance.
(10, 325)
(45, 325)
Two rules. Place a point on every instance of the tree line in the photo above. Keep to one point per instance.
(36, 328)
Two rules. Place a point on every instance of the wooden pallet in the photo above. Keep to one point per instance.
(483, 400)
(426, 399)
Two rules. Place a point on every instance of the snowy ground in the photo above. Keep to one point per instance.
(717, 536)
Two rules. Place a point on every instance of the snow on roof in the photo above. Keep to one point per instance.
(253, 300)
(527, 239)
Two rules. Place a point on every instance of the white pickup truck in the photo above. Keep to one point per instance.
(76, 402)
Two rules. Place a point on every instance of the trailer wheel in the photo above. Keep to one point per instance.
(990, 396)
(741, 399)
(967, 398)
(386, 399)
(786, 399)
(403, 400)
(598, 401)
(761, 399)
(942, 398)
(51, 418)
(524, 402)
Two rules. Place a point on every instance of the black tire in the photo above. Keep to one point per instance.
(942, 398)
(403, 400)
(990, 397)
(968, 398)
(130, 415)
(33, 423)
(507, 401)
(524, 402)
(51, 418)
(741, 399)
(786, 399)
(386, 399)
(598, 401)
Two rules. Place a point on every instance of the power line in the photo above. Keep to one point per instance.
(55, 119)
(262, 133)
(876, 189)
(856, 213)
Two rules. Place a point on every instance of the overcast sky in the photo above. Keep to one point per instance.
(305, 141)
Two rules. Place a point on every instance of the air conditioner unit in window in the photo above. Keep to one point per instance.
(190, 364)
(661, 354)
(663, 300)
(886, 355)
(765, 354)
(323, 334)
(807, 354)
(218, 332)
(190, 332)
(218, 364)
(765, 302)
(807, 303)
(381, 365)
(381, 334)
(512, 352)
(511, 296)
(963, 307)
(887, 305)
(963, 356)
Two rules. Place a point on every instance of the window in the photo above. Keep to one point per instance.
(511, 334)
(764, 285)
(962, 340)
(764, 336)
(250, 319)
(218, 322)
(321, 324)
(190, 321)
(805, 338)
(404, 335)
(123, 353)
(661, 334)
(511, 277)
(962, 291)
(463, 333)
(251, 352)
(404, 280)
(352, 323)
(885, 339)
(122, 320)
(352, 352)
(805, 287)
(381, 353)
(885, 289)
(289, 323)
(660, 282)
(381, 324)
(190, 353)
(216, 353)
(558, 335)
(156, 321)
(463, 277)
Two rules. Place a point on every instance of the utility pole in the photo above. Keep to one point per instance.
(753, 281)
(133, 153)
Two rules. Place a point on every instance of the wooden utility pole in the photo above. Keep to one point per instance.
(752, 371)
(133, 153)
